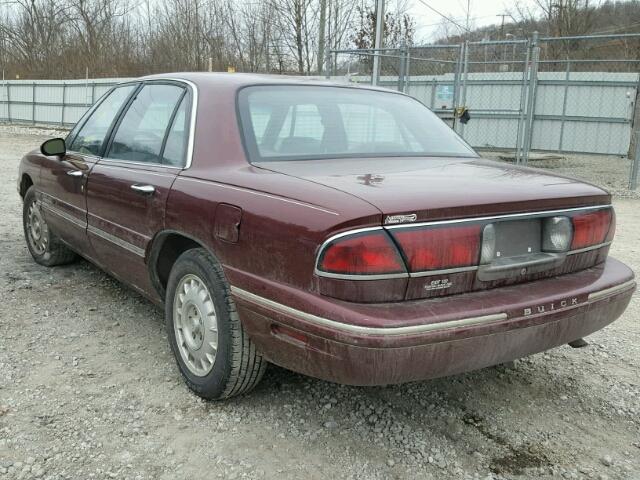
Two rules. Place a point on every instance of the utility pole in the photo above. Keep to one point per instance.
(328, 68)
(502, 24)
(321, 34)
(375, 74)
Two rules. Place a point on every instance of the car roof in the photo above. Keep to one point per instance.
(206, 80)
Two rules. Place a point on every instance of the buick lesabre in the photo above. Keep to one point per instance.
(342, 232)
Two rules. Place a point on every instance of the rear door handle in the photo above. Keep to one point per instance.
(74, 173)
(143, 189)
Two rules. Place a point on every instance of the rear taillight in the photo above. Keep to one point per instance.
(438, 248)
(591, 228)
(399, 251)
(366, 253)
(612, 226)
(556, 234)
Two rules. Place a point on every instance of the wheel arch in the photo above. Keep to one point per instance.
(166, 247)
(25, 182)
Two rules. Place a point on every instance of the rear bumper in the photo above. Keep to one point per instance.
(394, 343)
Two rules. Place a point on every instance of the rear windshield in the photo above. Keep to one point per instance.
(293, 122)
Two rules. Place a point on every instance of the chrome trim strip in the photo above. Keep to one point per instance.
(48, 205)
(358, 329)
(62, 214)
(429, 273)
(359, 277)
(588, 249)
(612, 290)
(194, 112)
(102, 219)
(496, 217)
(349, 232)
(117, 241)
(119, 163)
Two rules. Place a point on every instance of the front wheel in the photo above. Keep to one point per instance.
(214, 354)
(45, 247)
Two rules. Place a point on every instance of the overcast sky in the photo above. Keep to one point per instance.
(483, 12)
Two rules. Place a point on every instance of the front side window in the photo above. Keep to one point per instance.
(92, 134)
(141, 133)
(294, 122)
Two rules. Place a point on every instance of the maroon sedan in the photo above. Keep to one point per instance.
(342, 232)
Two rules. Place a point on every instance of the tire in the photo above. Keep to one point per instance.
(196, 285)
(45, 247)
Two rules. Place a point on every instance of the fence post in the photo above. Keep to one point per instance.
(635, 123)
(327, 60)
(531, 97)
(564, 104)
(375, 74)
(407, 64)
(402, 59)
(434, 87)
(635, 166)
(456, 84)
(64, 101)
(465, 77)
(8, 101)
(33, 103)
(523, 106)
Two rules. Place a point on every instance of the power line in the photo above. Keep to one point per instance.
(444, 16)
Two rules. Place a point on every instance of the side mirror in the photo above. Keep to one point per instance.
(53, 147)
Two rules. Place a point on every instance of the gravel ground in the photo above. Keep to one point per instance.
(89, 390)
(609, 171)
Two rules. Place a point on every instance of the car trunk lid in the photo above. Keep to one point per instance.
(444, 188)
(415, 193)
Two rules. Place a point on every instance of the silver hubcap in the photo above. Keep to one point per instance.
(195, 325)
(37, 229)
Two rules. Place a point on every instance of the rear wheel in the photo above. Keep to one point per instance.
(45, 247)
(213, 352)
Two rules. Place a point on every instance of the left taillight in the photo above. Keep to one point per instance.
(365, 253)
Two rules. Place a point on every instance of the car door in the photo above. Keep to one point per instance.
(128, 188)
(64, 179)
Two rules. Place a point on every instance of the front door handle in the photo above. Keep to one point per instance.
(74, 173)
(143, 189)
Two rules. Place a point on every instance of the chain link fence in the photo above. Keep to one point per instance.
(570, 95)
(50, 102)
(565, 95)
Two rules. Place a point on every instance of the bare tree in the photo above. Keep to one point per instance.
(33, 35)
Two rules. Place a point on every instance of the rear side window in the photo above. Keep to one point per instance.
(300, 122)
(176, 147)
(141, 133)
(92, 134)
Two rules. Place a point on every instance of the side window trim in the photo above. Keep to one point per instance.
(187, 87)
(118, 120)
(172, 119)
(85, 118)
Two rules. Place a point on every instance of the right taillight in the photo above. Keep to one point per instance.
(366, 253)
(592, 228)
